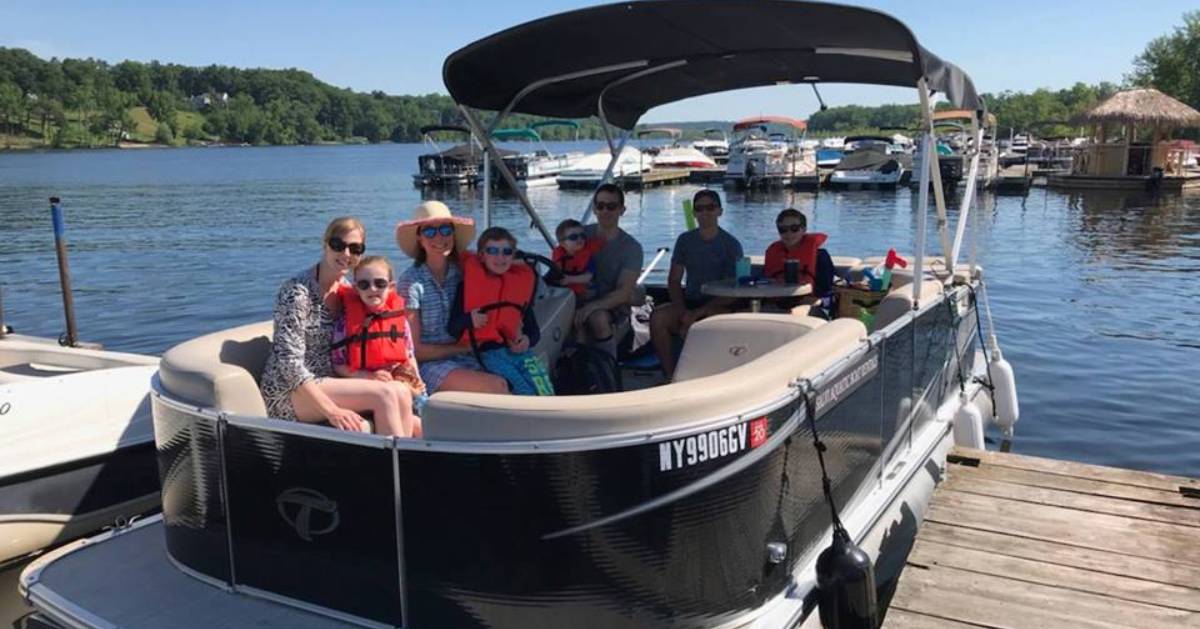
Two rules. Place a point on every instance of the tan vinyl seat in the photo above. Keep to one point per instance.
(718, 344)
(220, 370)
(458, 416)
(900, 301)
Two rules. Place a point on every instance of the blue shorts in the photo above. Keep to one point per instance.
(434, 372)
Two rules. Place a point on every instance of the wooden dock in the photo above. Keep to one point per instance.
(1014, 179)
(656, 177)
(1016, 541)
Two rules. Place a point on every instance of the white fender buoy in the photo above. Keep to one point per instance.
(968, 424)
(1004, 384)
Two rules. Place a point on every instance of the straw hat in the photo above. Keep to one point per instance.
(435, 213)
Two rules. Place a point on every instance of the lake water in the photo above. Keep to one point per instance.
(1092, 293)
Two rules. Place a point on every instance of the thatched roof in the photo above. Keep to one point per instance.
(1142, 107)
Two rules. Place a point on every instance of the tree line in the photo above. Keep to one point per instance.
(87, 102)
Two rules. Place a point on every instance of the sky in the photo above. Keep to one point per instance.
(398, 46)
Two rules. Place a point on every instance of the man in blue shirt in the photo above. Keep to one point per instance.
(704, 254)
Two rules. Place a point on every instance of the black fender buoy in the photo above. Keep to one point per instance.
(846, 585)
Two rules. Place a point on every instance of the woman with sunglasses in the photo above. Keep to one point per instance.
(296, 381)
(434, 238)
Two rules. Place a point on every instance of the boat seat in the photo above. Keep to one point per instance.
(718, 344)
(479, 417)
(220, 370)
(899, 301)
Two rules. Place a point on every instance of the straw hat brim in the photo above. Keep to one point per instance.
(406, 233)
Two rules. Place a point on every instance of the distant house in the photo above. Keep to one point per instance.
(203, 101)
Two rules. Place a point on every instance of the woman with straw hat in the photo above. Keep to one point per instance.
(434, 238)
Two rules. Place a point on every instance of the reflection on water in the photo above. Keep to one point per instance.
(1092, 292)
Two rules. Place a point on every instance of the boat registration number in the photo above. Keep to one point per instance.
(714, 444)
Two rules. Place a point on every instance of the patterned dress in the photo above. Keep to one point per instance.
(300, 351)
(423, 293)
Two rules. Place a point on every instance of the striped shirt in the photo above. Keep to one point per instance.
(422, 292)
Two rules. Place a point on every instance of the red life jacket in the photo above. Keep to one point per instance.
(804, 252)
(503, 298)
(574, 264)
(374, 340)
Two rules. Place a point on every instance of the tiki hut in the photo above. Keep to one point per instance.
(1130, 133)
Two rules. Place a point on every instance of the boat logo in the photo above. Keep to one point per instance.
(296, 507)
(737, 350)
(714, 444)
(5, 408)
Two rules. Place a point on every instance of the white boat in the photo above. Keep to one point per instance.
(76, 442)
(538, 167)
(674, 156)
(700, 502)
(871, 162)
(714, 144)
(759, 157)
(956, 142)
(589, 171)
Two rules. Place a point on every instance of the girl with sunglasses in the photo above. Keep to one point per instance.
(372, 338)
(434, 238)
(296, 381)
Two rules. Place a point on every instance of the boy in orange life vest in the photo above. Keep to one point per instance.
(795, 243)
(574, 256)
(372, 339)
(493, 312)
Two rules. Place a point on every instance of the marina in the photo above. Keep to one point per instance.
(838, 447)
(1018, 541)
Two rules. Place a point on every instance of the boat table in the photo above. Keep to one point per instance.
(755, 292)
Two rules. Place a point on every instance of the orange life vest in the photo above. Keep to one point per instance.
(374, 340)
(503, 298)
(574, 264)
(805, 252)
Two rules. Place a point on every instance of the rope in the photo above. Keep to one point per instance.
(826, 488)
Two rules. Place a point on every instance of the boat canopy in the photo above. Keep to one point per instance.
(962, 114)
(467, 152)
(444, 127)
(877, 138)
(555, 123)
(671, 132)
(505, 135)
(749, 123)
(669, 50)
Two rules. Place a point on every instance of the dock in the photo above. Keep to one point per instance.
(1017, 541)
(656, 177)
(1014, 179)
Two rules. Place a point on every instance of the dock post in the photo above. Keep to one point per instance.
(64, 272)
(3, 328)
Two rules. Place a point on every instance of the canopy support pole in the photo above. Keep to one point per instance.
(929, 168)
(964, 208)
(486, 140)
(612, 163)
(487, 190)
(536, 85)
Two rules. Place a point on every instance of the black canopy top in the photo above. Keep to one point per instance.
(434, 128)
(706, 45)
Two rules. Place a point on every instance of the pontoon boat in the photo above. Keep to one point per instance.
(695, 503)
(539, 167)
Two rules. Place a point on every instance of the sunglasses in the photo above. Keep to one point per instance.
(339, 245)
(707, 207)
(611, 206)
(498, 251)
(783, 229)
(434, 230)
(575, 236)
(379, 283)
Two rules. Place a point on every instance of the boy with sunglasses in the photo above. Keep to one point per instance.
(493, 313)
(372, 338)
(574, 256)
(796, 243)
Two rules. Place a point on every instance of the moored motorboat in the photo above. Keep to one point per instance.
(76, 442)
(588, 172)
(760, 157)
(871, 162)
(539, 167)
(714, 144)
(701, 502)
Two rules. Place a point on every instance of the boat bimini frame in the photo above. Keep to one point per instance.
(619, 84)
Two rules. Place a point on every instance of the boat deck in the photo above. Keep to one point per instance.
(1017, 541)
(656, 177)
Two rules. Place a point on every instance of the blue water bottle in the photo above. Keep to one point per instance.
(743, 267)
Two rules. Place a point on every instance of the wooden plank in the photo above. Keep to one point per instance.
(1098, 531)
(1126, 588)
(1082, 470)
(973, 481)
(993, 601)
(1062, 554)
(901, 619)
(1072, 483)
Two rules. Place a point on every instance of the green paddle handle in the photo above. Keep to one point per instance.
(688, 215)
